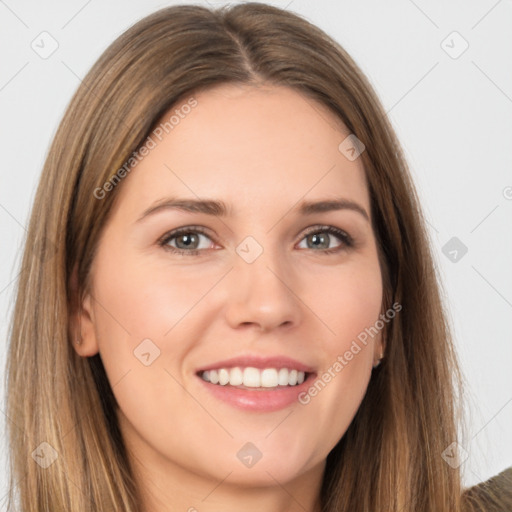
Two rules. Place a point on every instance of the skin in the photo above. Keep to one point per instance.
(260, 150)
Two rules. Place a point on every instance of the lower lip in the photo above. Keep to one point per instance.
(258, 399)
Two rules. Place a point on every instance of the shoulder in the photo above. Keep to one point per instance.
(493, 495)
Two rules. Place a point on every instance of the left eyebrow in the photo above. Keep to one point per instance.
(220, 209)
(312, 207)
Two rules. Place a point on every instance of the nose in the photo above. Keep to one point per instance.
(262, 294)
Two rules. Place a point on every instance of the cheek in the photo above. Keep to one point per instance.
(355, 307)
(348, 302)
(143, 315)
(136, 310)
(139, 299)
(350, 309)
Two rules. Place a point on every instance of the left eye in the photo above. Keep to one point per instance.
(320, 238)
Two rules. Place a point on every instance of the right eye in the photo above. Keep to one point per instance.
(187, 241)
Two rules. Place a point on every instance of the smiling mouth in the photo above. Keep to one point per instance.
(254, 378)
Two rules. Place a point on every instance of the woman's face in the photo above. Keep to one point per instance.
(253, 296)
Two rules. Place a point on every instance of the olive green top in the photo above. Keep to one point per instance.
(493, 495)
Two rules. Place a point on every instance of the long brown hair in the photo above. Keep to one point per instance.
(391, 455)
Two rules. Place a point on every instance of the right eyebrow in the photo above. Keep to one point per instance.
(206, 206)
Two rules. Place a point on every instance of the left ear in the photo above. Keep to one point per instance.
(379, 347)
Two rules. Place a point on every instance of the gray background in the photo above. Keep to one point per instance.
(452, 112)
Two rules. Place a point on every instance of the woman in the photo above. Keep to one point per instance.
(229, 298)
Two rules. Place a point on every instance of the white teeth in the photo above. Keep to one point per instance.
(223, 376)
(269, 378)
(282, 378)
(254, 377)
(236, 377)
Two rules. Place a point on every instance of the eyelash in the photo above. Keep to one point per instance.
(345, 238)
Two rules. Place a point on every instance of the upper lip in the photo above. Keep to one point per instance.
(260, 362)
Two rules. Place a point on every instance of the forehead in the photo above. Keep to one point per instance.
(256, 146)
